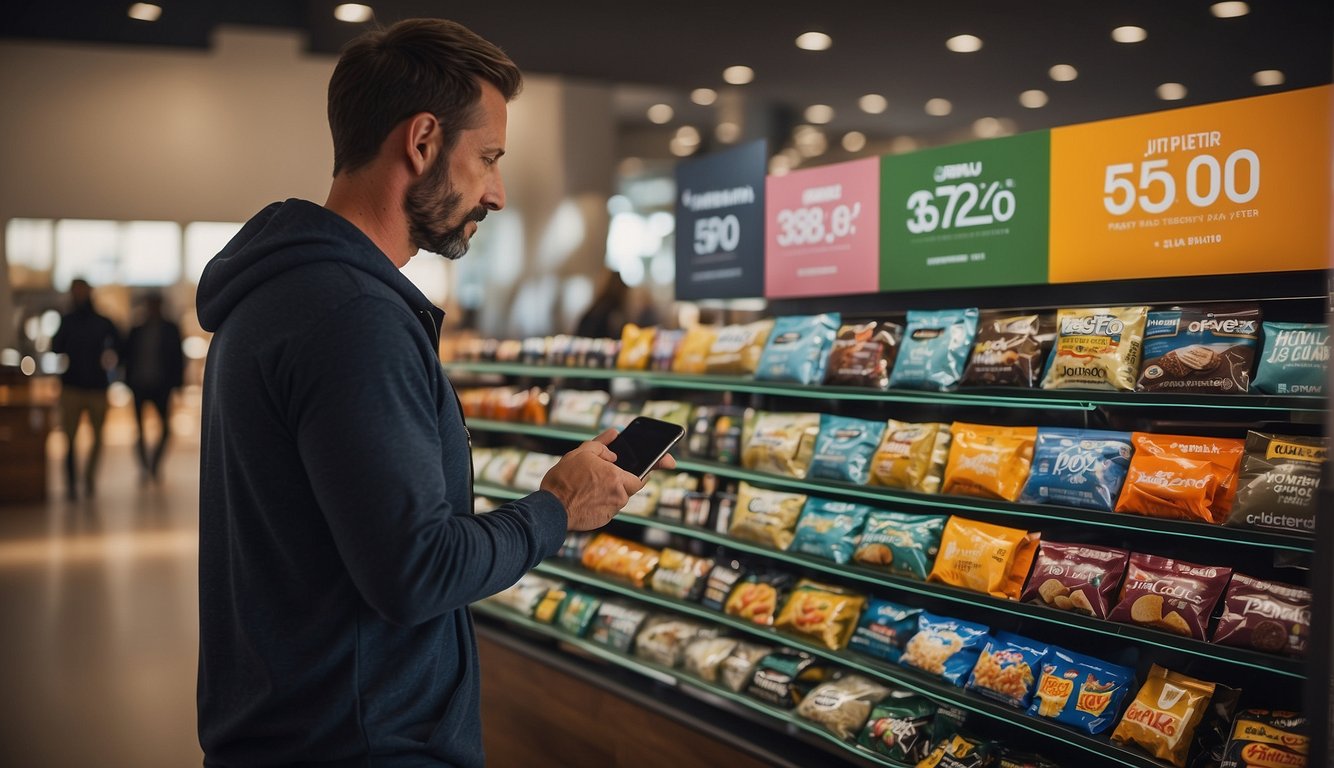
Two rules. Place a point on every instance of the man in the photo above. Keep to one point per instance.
(154, 366)
(88, 340)
(338, 549)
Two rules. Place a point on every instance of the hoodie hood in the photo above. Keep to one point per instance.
(285, 236)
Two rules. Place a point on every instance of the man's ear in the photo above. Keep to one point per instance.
(421, 141)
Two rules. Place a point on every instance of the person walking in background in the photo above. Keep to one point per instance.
(606, 316)
(89, 342)
(154, 366)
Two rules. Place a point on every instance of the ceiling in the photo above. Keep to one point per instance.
(660, 51)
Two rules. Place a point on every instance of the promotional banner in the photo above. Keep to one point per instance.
(823, 231)
(720, 224)
(1234, 187)
(965, 216)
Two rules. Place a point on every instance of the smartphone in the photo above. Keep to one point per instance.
(643, 442)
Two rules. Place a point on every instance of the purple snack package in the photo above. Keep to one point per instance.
(1265, 615)
(1076, 577)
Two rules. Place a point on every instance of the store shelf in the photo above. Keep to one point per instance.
(899, 676)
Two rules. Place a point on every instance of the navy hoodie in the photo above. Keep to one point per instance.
(337, 547)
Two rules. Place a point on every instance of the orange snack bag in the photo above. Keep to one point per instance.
(1182, 477)
(1162, 718)
(991, 462)
(986, 558)
(636, 346)
(621, 558)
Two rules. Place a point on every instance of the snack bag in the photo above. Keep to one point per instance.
(736, 349)
(821, 612)
(1200, 349)
(1182, 477)
(533, 467)
(550, 605)
(1261, 739)
(576, 408)
(906, 544)
(884, 629)
(738, 668)
(1171, 595)
(1280, 477)
(842, 705)
(693, 352)
(798, 349)
(780, 443)
(911, 456)
(616, 624)
(664, 639)
(900, 728)
(990, 462)
(502, 466)
(1006, 353)
(1266, 616)
(723, 578)
(1007, 669)
(959, 751)
(704, 656)
(986, 558)
(675, 486)
(1096, 348)
(636, 347)
(680, 575)
(766, 517)
(944, 647)
(844, 447)
(1078, 468)
(784, 677)
(1294, 360)
(1162, 718)
(665, 343)
(758, 596)
(526, 594)
(863, 355)
(1076, 577)
(621, 558)
(1079, 691)
(577, 612)
(829, 529)
(935, 349)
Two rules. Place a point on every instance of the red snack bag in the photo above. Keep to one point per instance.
(1171, 595)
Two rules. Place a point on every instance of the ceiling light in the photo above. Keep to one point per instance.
(854, 141)
(1229, 10)
(814, 41)
(1171, 91)
(1063, 73)
(964, 43)
(727, 132)
(661, 113)
(145, 12)
(779, 165)
(738, 75)
(987, 128)
(704, 96)
(810, 141)
(1268, 77)
(819, 114)
(939, 107)
(353, 13)
(688, 135)
(1033, 99)
(1129, 34)
(682, 148)
(873, 103)
(902, 144)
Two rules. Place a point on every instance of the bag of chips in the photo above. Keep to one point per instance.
(784, 677)
(1211, 735)
(574, 545)
(1006, 353)
(885, 629)
(704, 656)
(990, 462)
(674, 411)
(577, 612)
(616, 624)
(636, 347)
(664, 638)
(986, 558)
(766, 517)
(674, 488)
(798, 349)
(692, 353)
(533, 467)
(736, 349)
(1182, 477)
(618, 557)
(863, 355)
(1200, 349)
(822, 613)
(844, 447)
(842, 705)
(780, 443)
(911, 456)
(1266, 616)
(1280, 477)
(1263, 739)
(1078, 468)
(525, 595)
(1294, 360)
(723, 578)
(502, 466)
(935, 349)
(829, 529)
(899, 727)
(1076, 577)
(680, 575)
(1008, 757)
(960, 751)
(665, 343)
(738, 668)
(551, 603)
(1080, 691)
(1007, 669)
(1162, 718)
(575, 408)
(906, 544)
(1096, 348)
(944, 647)
(757, 597)
(1171, 595)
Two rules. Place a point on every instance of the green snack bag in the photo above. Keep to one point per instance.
(900, 728)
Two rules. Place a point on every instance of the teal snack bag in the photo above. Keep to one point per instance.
(577, 613)
(798, 348)
(829, 529)
(844, 448)
(904, 543)
(935, 349)
(885, 629)
(1293, 359)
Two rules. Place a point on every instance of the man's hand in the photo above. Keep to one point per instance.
(591, 487)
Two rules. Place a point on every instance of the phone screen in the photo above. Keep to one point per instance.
(643, 442)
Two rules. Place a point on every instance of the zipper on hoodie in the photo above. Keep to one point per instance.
(429, 322)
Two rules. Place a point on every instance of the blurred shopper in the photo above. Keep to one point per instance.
(154, 367)
(338, 546)
(606, 316)
(89, 342)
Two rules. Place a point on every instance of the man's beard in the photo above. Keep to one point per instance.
(431, 203)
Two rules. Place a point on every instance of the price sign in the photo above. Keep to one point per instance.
(823, 231)
(720, 225)
(1235, 187)
(965, 216)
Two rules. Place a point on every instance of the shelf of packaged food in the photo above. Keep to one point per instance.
(899, 676)
(990, 397)
(676, 678)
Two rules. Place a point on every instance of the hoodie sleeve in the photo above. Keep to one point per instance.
(361, 392)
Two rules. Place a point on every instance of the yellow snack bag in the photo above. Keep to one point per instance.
(694, 349)
(636, 347)
(986, 558)
(1163, 716)
(736, 350)
(990, 462)
(911, 456)
(766, 517)
(826, 613)
(779, 443)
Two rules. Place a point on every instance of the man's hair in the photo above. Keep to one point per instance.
(418, 65)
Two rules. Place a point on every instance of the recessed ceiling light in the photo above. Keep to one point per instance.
(1267, 77)
(1063, 73)
(873, 103)
(814, 41)
(353, 13)
(704, 96)
(738, 75)
(964, 43)
(987, 127)
(819, 114)
(727, 132)
(661, 113)
(902, 144)
(1171, 91)
(145, 12)
(1230, 10)
(939, 107)
(682, 148)
(1129, 34)
(779, 165)
(1033, 99)
(809, 141)
(854, 141)
(688, 135)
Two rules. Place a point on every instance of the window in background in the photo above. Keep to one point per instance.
(30, 252)
(150, 253)
(203, 240)
(88, 249)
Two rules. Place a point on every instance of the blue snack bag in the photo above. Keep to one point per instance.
(1293, 360)
(798, 348)
(935, 348)
(1078, 468)
(829, 529)
(905, 543)
(844, 448)
(947, 648)
(1007, 669)
(1080, 691)
(884, 629)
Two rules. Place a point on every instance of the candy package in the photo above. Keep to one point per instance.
(1182, 477)
(821, 613)
(1171, 595)
(757, 597)
(905, 543)
(664, 639)
(1266, 616)
(844, 447)
(885, 629)
(692, 353)
(842, 705)
(829, 529)
(1200, 349)
(618, 557)
(1294, 359)
(1006, 353)
(798, 349)
(780, 443)
(1078, 468)
(1076, 577)
(1007, 669)
(766, 517)
(616, 624)
(986, 558)
(784, 677)
(1263, 739)
(704, 656)
(990, 462)
(1280, 477)
(1080, 691)
(944, 647)
(680, 575)
(935, 349)
(736, 349)
(1163, 716)
(1097, 348)
(636, 347)
(863, 355)
(578, 408)
(911, 456)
